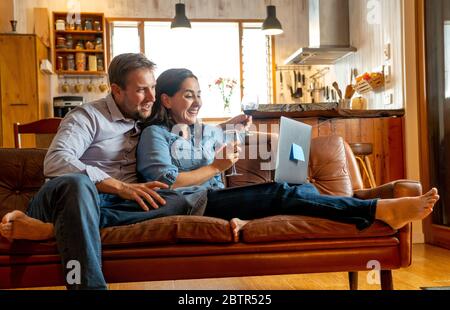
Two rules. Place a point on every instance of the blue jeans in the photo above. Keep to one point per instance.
(73, 204)
(269, 199)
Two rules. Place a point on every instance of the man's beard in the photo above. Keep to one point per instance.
(141, 116)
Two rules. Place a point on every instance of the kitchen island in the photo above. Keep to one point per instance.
(382, 128)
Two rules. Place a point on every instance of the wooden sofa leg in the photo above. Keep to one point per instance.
(386, 280)
(353, 280)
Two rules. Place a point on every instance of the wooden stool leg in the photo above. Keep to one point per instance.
(386, 280)
(353, 280)
(372, 181)
(364, 170)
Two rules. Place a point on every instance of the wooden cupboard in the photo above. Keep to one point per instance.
(24, 89)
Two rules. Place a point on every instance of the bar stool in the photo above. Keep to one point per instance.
(362, 152)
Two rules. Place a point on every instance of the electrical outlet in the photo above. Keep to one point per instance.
(388, 98)
(387, 74)
(387, 51)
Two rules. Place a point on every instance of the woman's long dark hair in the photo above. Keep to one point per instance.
(169, 83)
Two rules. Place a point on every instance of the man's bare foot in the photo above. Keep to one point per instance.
(18, 225)
(399, 212)
(236, 226)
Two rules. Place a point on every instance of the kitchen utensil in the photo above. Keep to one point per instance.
(338, 90)
(65, 87)
(299, 91)
(281, 88)
(350, 90)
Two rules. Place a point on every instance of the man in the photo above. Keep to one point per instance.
(92, 158)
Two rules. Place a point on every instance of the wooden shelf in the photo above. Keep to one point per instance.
(78, 51)
(83, 36)
(66, 72)
(78, 32)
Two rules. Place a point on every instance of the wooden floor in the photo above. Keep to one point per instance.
(430, 268)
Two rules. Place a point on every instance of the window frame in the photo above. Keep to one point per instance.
(141, 23)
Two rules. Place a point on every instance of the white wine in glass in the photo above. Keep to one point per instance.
(230, 137)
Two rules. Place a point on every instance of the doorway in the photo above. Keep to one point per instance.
(433, 23)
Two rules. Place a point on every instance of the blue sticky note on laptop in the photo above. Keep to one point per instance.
(297, 153)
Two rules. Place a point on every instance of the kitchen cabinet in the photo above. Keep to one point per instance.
(24, 89)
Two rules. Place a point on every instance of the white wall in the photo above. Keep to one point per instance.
(292, 14)
(369, 31)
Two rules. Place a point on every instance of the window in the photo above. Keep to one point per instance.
(212, 50)
(124, 38)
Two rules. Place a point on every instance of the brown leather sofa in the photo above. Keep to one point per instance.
(189, 247)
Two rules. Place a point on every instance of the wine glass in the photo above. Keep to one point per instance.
(230, 137)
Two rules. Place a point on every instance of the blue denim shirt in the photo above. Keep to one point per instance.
(162, 155)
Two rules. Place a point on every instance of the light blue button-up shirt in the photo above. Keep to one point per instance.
(162, 155)
(97, 140)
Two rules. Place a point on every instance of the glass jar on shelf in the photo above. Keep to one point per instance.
(60, 42)
(100, 66)
(69, 41)
(70, 26)
(98, 44)
(79, 45)
(60, 63)
(70, 62)
(88, 24)
(60, 25)
(78, 25)
(80, 59)
(97, 26)
(89, 45)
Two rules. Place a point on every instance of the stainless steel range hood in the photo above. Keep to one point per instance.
(329, 34)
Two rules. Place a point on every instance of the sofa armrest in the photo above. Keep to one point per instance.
(397, 189)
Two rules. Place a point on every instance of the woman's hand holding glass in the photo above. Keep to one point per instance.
(228, 154)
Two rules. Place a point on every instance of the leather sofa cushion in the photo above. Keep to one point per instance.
(167, 230)
(21, 177)
(288, 228)
(328, 167)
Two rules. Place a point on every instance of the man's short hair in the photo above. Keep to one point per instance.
(123, 64)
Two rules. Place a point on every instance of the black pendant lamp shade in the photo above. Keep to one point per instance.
(180, 20)
(272, 25)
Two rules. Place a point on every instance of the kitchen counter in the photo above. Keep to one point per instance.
(319, 110)
(381, 128)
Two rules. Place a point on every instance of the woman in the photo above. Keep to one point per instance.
(171, 151)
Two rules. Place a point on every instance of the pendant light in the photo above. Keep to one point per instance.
(271, 25)
(180, 21)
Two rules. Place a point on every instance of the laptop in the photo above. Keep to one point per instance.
(293, 152)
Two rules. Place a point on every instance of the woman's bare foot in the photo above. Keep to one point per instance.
(18, 225)
(236, 226)
(399, 212)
